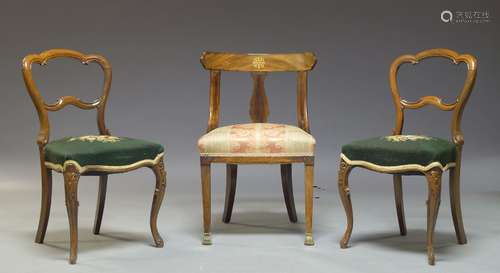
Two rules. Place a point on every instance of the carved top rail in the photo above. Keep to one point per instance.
(457, 106)
(42, 107)
(290, 62)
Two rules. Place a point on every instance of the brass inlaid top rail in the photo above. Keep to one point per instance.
(253, 62)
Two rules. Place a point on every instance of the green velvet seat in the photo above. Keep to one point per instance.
(101, 151)
(401, 150)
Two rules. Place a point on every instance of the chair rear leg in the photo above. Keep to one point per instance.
(101, 199)
(287, 185)
(231, 176)
(456, 208)
(45, 206)
(398, 194)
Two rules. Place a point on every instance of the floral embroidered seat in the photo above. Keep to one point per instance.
(398, 152)
(257, 139)
(102, 150)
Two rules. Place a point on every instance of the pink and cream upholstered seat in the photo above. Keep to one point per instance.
(257, 139)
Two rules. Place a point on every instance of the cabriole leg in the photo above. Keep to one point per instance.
(345, 196)
(434, 199)
(71, 177)
(160, 188)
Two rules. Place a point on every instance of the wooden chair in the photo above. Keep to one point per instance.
(96, 155)
(414, 154)
(258, 142)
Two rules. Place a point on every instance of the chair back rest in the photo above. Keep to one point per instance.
(258, 65)
(457, 107)
(43, 108)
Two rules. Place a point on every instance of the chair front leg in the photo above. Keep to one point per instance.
(434, 199)
(398, 194)
(160, 188)
(101, 200)
(71, 177)
(345, 196)
(45, 207)
(206, 200)
(308, 188)
(456, 208)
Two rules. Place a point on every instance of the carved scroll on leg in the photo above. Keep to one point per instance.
(345, 196)
(434, 199)
(71, 177)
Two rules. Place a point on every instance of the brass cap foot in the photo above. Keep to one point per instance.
(207, 239)
(309, 240)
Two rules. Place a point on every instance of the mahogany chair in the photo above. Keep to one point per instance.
(92, 155)
(401, 155)
(257, 142)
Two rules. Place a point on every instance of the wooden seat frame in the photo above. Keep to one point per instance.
(258, 65)
(72, 171)
(433, 175)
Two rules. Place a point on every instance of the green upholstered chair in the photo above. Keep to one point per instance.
(97, 155)
(400, 154)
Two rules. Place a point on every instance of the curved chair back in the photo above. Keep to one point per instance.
(457, 107)
(43, 108)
